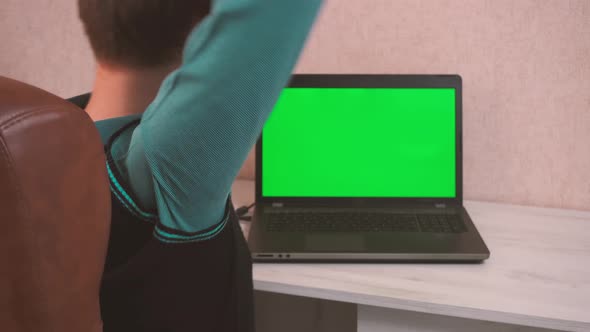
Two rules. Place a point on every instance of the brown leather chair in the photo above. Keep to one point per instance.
(54, 213)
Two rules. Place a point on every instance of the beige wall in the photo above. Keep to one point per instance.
(525, 66)
(42, 43)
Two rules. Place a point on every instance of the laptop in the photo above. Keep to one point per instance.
(363, 168)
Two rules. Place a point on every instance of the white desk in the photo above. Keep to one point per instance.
(538, 275)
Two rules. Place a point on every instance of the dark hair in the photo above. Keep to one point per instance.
(140, 33)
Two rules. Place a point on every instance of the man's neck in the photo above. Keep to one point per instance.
(121, 92)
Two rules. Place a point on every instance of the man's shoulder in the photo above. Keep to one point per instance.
(107, 128)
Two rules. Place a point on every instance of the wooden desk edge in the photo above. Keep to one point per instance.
(424, 307)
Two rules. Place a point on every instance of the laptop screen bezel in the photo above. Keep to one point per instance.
(375, 81)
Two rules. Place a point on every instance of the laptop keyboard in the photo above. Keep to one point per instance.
(363, 222)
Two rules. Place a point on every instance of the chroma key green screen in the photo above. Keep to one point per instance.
(360, 142)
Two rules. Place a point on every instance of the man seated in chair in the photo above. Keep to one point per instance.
(186, 87)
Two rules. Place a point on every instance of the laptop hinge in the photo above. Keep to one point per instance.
(277, 204)
(440, 205)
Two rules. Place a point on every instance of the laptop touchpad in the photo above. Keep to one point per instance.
(334, 242)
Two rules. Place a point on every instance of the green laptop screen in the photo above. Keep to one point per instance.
(360, 142)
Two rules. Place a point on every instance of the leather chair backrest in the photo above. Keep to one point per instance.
(54, 213)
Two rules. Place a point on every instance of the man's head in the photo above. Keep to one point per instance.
(140, 34)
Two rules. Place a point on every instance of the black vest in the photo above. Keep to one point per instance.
(149, 285)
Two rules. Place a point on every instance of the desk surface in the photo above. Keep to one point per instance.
(538, 273)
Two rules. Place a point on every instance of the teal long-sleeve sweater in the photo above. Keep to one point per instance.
(182, 157)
